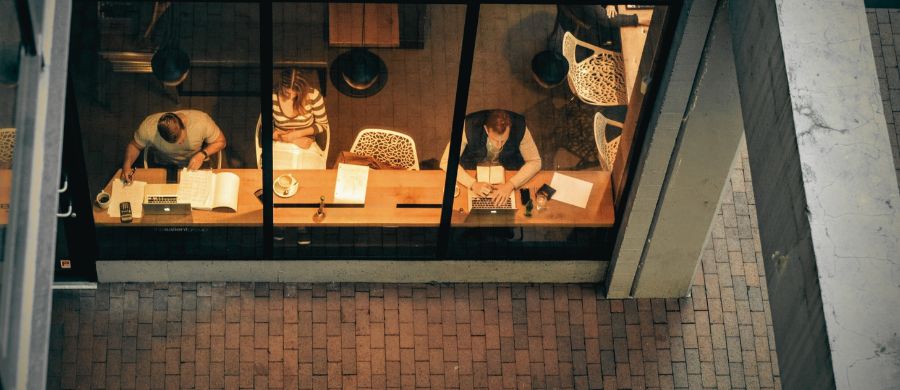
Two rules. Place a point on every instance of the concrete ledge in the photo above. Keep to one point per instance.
(376, 271)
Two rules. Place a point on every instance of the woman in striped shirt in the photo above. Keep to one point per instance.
(298, 111)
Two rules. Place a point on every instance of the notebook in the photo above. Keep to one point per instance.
(491, 174)
(206, 190)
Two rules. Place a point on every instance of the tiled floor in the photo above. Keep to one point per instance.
(244, 335)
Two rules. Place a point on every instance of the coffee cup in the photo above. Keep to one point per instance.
(103, 199)
(285, 185)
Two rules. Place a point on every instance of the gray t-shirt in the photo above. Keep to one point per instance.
(200, 130)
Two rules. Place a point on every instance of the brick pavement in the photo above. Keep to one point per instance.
(884, 26)
(268, 335)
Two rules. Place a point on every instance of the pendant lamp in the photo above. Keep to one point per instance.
(170, 64)
(359, 72)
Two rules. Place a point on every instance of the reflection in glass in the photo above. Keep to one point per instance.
(167, 95)
(540, 77)
(9, 76)
(376, 192)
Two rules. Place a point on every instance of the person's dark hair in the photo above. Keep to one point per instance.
(169, 126)
(497, 121)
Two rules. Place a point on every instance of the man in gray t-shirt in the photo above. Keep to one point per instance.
(183, 138)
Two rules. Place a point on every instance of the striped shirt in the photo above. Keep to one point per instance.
(315, 115)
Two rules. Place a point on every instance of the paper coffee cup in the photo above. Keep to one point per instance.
(103, 199)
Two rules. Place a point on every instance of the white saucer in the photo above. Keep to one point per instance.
(279, 192)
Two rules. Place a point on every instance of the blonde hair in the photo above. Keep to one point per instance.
(292, 80)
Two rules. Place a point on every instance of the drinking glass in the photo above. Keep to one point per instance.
(541, 201)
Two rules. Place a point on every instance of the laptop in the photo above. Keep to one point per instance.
(161, 205)
(485, 205)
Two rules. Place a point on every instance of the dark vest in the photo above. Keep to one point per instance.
(476, 142)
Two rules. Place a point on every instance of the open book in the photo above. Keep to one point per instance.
(491, 174)
(289, 156)
(206, 190)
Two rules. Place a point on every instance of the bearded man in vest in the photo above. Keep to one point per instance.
(496, 137)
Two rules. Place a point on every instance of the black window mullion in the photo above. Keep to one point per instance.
(466, 59)
(265, 109)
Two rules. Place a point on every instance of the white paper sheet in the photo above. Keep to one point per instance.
(196, 188)
(570, 190)
(133, 193)
(289, 156)
(351, 183)
(226, 193)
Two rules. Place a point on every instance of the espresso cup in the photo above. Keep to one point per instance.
(103, 199)
(285, 185)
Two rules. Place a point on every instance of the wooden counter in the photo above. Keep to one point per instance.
(346, 22)
(249, 208)
(393, 198)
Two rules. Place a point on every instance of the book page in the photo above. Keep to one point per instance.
(492, 174)
(196, 188)
(570, 190)
(351, 183)
(497, 175)
(133, 193)
(226, 191)
(285, 155)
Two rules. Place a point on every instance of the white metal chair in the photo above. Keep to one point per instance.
(387, 146)
(7, 145)
(258, 142)
(599, 79)
(606, 150)
(218, 157)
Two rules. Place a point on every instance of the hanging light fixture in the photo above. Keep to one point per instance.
(170, 64)
(359, 72)
(549, 68)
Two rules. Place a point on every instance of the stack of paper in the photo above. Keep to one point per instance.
(351, 183)
(570, 190)
(133, 193)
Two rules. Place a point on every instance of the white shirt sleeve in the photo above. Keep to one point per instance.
(532, 158)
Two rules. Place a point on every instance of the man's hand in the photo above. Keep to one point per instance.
(502, 192)
(196, 161)
(127, 175)
(303, 142)
(481, 188)
(611, 11)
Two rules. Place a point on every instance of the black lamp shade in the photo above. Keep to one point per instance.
(170, 65)
(358, 73)
(549, 68)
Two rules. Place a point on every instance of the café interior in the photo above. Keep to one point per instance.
(344, 125)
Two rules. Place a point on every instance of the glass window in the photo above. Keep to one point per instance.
(346, 112)
(160, 87)
(9, 76)
(362, 107)
(553, 106)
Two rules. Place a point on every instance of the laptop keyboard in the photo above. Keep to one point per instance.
(486, 203)
(162, 199)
